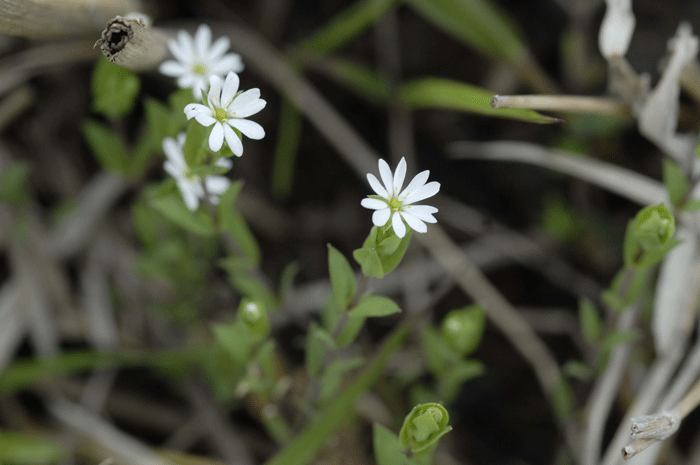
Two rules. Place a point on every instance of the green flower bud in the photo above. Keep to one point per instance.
(463, 328)
(423, 427)
(254, 315)
(649, 236)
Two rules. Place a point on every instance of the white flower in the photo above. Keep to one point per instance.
(393, 203)
(198, 59)
(617, 28)
(191, 186)
(227, 110)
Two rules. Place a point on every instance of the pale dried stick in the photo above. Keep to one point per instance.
(53, 18)
(565, 103)
(131, 44)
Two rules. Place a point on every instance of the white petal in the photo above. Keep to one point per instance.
(416, 183)
(233, 141)
(250, 129)
(616, 29)
(373, 204)
(186, 80)
(198, 85)
(421, 193)
(422, 212)
(380, 217)
(224, 162)
(216, 138)
(202, 40)
(192, 109)
(250, 109)
(230, 89)
(377, 186)
(399, 176)
(385, 173)
(204, 119)
(189, 194)
(415, 224)
(182, 47)
(172, 151)
(217, 185)
(397, 224)
(218, 48)
(181, 137)
(214, 95)
(172, 68)
(173, 170)
(229, 62)
(244, 99)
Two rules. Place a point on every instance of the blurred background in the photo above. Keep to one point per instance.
(80, 277)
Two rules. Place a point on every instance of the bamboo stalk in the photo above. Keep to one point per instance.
(55, 18)
(129, 43)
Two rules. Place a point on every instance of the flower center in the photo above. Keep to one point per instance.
(221, 115)
(395, 204)
(200, 69)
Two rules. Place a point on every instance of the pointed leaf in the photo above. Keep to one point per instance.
(374, 306)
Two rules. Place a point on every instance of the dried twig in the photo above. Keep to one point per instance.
(129, 43)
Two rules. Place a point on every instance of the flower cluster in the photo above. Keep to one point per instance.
(201, 66)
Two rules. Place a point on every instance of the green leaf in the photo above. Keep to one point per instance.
(350, 331)
(343, 282)
(691, 205)
(591, 323)
(451, 380)
(317, 341)
(106, 146)
(446, 94)
(389, 245)
(438, 354)
(284, 161)
(172, 207)
(563, 402)
(676, 182)
(287, 280)
(387, 448)
(28, 449)
(478, 23)
(235, 225)
(235, 339)
(423, 427)
(12, 183)
(114, 89)
(578, 370)
(369, 261)
(346, 26)
(392, 260)
(246, 284)
(374, 306)
(618, 337)
(332, 377)
(361, 79)
(306, 445)
(194, 149)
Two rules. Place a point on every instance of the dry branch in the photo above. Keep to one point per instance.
(55, 18)
(129, 43)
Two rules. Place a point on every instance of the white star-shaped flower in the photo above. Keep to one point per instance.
(227, 110)
(191, 186)
(393, 203)
(198, 59)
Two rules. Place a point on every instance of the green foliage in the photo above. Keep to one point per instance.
(677, 184)
(577, 370)
(649, 237)
(169, 204)
(346, 25)
(387, 448)
(342, 278)
(559, 220)
(288, 134)
(463, 328)
(254, 315)
(478, 23)
(374, 306)
(114, 89)
(318, 340)
(332, 377)
(107, 147)
(563, 399)
(381, 252)
(423, 427)
(195, 148)
(12, 183)
(446, 94)
(28, 449)
(591, 323)
(361, 79)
